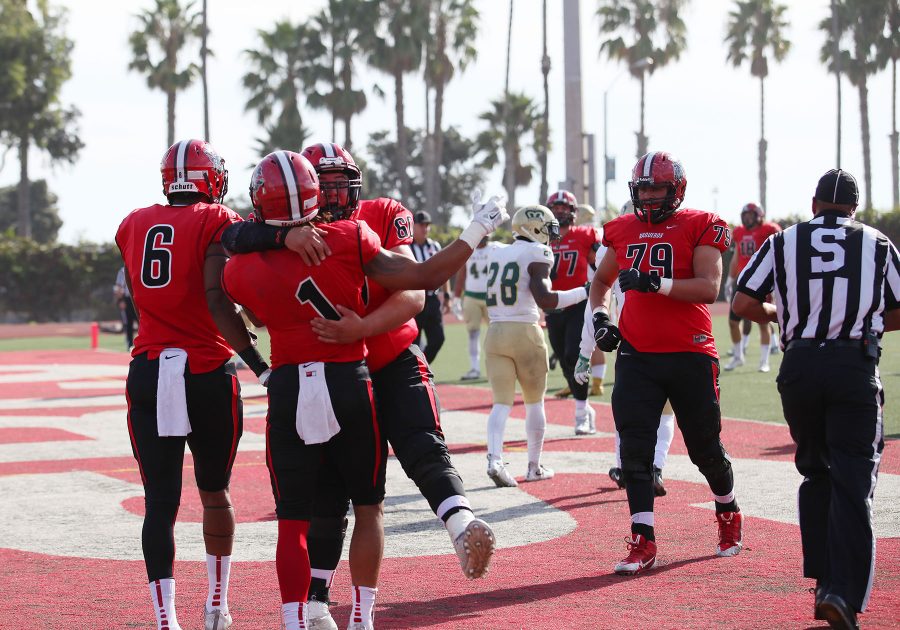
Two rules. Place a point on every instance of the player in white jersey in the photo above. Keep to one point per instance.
(585, 369)
(586, 216)
(471, 284)
(518, 288)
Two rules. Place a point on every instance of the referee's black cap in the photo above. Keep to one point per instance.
(837, 186)
(422, 217)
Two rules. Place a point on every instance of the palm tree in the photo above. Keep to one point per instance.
(756, 29)
(397, 49)
(452, 47)
(637, 30)
(545, 118)
(287, 61)
(509, 122)
(891, 45)
(204, 53)
(157, 47)
(863, 21)
(346, 26)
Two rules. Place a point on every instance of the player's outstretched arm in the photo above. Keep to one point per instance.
(397, 309)
(394, 272)
(544, 296)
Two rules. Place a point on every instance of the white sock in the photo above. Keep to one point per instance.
(598, 371)
(293, 616)
(473, 350)
(738, 351)
(162, 593)
(496, 426)
(764, 353)
(218, 569)
(745, 341)
(644, 518)
(664, 435)
(535, 424)
(363, 605)
(458, 522)
(580, 407)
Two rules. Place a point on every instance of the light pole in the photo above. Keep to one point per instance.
(640, 64)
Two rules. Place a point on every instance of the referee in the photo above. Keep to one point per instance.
(431, 320)
(837, 290)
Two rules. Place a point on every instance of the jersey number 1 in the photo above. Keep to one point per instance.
(308, 293)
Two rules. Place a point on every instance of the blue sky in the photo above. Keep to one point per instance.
(700, 109)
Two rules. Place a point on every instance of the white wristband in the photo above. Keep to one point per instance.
(665, 286)
(473, 234)
(564, 299)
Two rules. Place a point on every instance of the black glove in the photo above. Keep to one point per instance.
(605, 333)
(639, 281)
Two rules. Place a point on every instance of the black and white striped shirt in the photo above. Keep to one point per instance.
(831, 276)
(425, 251)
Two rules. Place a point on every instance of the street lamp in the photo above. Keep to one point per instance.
(640, 64)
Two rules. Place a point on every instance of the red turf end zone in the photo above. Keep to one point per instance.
(561, 582)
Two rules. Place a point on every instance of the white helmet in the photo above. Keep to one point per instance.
(536, 223)
(585, 215)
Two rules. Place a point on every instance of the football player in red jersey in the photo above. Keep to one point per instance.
(669, 260)
(573, 253)
(748, 237)
(180, 387)
(289, 296)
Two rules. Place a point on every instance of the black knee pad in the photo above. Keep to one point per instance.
(422, 454)
(713, 466)
(636, 470)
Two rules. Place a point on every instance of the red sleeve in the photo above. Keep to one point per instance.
(609, 234)
(220, 218)
(369, 243)
(715, 232)
(399, 228)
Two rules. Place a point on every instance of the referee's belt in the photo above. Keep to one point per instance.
(823, 343)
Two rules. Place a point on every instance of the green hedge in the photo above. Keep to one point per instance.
(56, 282)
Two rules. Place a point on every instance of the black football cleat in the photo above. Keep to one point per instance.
(658, 488)
(838, 614)
(616, 475)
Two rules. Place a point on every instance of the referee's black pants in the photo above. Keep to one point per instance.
(431, 322)
(832, 400)
(564, 330)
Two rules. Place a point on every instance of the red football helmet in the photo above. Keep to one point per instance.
(284, 189)
(657, 169)
(329, 157)
(566, 214)
(194, 166)
(755, 215)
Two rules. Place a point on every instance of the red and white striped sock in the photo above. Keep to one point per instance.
(162, 593)
(364, 606)
(218, 569)
(293, 616)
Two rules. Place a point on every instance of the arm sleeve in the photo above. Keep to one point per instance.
(758, 278)
(587, 344)
(716, 233)
(249, 236)
(892, 280)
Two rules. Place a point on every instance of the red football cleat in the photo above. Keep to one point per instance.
(641, 555)
(730, 534)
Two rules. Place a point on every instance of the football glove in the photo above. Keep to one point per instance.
(606, 335)
(583, 370)
(456, 308)
(633, 279)
(491, 213)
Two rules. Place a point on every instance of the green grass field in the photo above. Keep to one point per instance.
(746, 393)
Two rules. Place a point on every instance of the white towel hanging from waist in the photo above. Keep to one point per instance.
(171, 401)
(316, 422)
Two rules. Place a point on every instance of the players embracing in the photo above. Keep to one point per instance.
(668, 261)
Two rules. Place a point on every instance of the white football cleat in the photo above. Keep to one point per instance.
(764, 366)
(215, 619)
(471, 375)
(585, 423)
(538, 472)
(318, 616)
(475, 548)
(734, 363)
(499, 475)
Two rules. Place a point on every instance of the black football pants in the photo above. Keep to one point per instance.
(832, 400)
(431, 322)
(564, 330)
